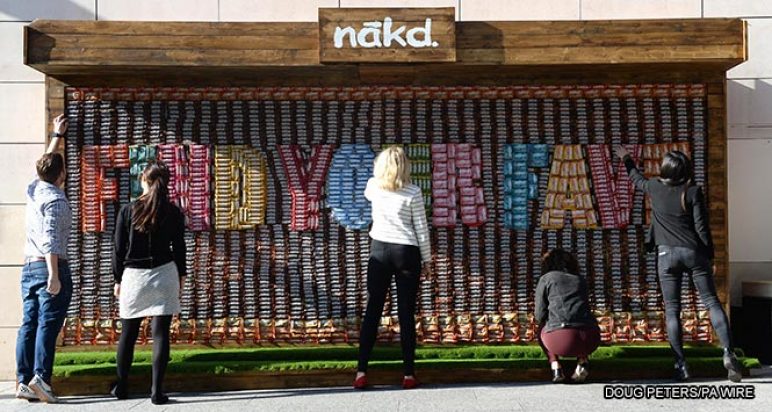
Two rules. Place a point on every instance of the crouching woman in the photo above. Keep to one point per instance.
(566, 324)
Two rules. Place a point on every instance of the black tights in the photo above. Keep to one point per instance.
(129, 334)
(673, 262)
(387, 260)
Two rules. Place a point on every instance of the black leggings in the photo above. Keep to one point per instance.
(386, 260)
(129, 334)
(673, 262)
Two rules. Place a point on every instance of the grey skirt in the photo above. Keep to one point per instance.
(150, 292)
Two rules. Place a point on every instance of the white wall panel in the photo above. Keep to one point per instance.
(497, 10)
(154, 10)
(22, 112)
(12, 66)
(737, 8)
(759, 62)
(28, 10)
(18, 162)
(11, 235)
(645, 9)
(750, 200)
(273, 10)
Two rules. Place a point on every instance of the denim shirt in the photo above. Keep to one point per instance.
(48, 220)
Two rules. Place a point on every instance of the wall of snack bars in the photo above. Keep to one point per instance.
(271, 182)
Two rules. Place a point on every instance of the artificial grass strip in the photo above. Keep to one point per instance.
(696, 364)
(381, 353)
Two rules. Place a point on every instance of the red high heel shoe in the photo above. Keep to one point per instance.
(360, 382)
(409, 383)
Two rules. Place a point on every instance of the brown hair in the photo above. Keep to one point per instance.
(146, 209)
(50, 167)
(559, 260)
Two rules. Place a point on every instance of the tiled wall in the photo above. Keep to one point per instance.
(750, 102)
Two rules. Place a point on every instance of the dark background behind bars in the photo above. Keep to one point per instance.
(482, 279)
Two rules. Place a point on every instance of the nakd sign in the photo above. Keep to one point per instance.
(387, 35)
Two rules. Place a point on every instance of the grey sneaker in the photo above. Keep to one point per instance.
(43, 390)
(24, 392)
(732, 366)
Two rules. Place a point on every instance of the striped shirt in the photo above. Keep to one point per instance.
(399, 217)
(48, 219)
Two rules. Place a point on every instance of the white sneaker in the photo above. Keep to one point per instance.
(43, 390)
(24, 392)
(580, 374)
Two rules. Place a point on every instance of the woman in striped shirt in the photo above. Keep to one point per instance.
(400, 245)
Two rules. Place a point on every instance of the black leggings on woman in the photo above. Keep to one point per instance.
(129, 334)
(673, 262)
(387, 260)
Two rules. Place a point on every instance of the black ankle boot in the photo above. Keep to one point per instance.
(557, 376)
(732, 366)
(119, 390)
(681, 371)
(159, 399)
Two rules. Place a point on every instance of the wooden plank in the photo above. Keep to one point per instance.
(438, 45)
(596, 55)
(519, 41)
(168, 57)
(717, 191)
(729, 26)
(380, 74)
(55, 101)
(184, 42)
(150, 28)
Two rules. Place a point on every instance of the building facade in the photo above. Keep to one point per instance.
(749, 89)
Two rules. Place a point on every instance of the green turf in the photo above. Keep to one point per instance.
(305, 358)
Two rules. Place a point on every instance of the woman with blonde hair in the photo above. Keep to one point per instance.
(400, 244)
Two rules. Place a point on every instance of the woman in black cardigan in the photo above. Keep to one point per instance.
(567, 326)
(679, 229)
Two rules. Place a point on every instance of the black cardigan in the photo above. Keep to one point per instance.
(562, 302)
(673, 222)
(165, 244)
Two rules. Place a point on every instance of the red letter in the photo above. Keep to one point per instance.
(613, 191)
(189, 182)
(306, 182)
(96, 189)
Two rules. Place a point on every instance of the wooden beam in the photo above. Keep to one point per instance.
(92, 47)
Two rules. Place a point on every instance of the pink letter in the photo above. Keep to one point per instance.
(456, 174)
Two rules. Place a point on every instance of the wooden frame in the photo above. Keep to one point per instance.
(97, 53)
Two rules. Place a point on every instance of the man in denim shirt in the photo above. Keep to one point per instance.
(46, 285)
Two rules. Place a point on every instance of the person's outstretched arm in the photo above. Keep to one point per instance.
(701, 225)
(639, 180)
(60, 128)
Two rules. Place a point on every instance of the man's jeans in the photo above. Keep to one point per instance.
(44, 316)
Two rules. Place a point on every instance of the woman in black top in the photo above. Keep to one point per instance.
(149, 269)
(567, 327)
(679, 228)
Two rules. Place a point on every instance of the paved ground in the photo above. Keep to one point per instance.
(498, 397)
